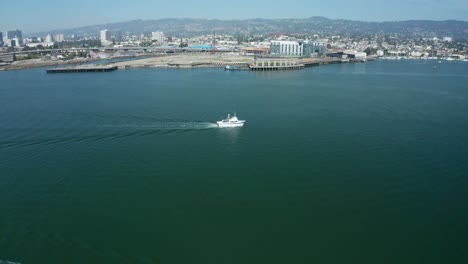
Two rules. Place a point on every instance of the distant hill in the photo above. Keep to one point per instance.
(315, 25)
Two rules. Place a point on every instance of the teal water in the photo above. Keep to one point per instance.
(352, 163)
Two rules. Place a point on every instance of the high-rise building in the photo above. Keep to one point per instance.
(59, 38)
(49, 38)
(1, 39)
(158, 35)
(16, 33)
(17, 41)
(10, 34)
(117, 35)
(105, 36)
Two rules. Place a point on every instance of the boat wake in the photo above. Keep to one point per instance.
(169, 125)
(99, 133)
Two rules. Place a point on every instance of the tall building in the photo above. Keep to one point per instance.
(16, 33)
(59, 38)
(105, 36)
(49, 38)
(286, 48)
(1, 39)
(158, 35)
(117, 35)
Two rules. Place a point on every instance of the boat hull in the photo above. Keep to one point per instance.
(225, 124)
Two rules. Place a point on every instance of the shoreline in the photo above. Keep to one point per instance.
(39, 63)
(166, 61)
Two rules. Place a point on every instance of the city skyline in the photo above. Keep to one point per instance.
(52, 14)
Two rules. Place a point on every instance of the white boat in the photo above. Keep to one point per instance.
(231, 122)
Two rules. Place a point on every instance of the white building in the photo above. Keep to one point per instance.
(358, 55)
(286, 48)
(14, 42)
(448, 39)
(59, 38)
(49, 39)
(158, 35)
(105, 36)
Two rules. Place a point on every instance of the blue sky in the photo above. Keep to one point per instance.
(33, 15)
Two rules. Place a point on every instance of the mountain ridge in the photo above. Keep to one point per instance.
(186, 27)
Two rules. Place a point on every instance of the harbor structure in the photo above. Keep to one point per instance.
(84, 68)
(275, 63)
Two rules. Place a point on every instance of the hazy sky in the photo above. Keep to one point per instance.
(34, 15)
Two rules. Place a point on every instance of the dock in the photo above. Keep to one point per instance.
(84, 68)
(275, 63)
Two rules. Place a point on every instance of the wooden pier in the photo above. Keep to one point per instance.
(84, 68)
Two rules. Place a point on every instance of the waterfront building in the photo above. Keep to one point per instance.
(286, 48)
(105, 36)
(158, 35)
(1, 39)
(313, 49)
(59, 38)
(356, 55)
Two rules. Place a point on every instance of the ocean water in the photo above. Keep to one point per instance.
(350, 163)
